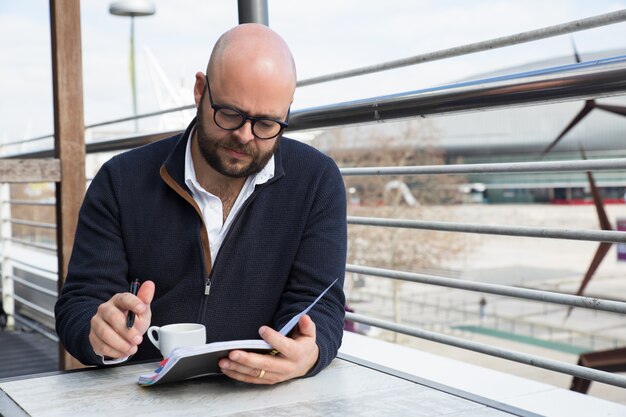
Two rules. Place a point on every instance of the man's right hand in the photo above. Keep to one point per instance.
(109, 335)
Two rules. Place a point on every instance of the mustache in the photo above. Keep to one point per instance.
(239, 147)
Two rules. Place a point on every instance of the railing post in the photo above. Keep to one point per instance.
(69, 133)
(8, 301)
(253, 11)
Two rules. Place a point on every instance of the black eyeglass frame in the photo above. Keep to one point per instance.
(245, 117)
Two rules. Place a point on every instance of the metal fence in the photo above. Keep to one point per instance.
(29, 291)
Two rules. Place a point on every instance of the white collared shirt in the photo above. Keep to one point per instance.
(211, 205)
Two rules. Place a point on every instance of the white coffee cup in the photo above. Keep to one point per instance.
(176, 335)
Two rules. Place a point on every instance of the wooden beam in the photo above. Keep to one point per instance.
(30, 170)
(69, 132)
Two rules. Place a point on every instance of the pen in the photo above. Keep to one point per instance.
(134, 287)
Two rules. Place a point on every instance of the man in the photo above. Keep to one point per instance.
(228, 224)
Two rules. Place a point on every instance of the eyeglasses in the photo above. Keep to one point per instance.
(229, 118)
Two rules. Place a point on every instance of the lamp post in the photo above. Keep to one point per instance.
(132, 8)
(253, 11)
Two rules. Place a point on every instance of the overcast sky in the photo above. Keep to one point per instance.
(325, 37)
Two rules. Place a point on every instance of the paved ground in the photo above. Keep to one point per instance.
(527, 326)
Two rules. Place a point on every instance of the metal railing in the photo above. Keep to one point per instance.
(528, 294)
(440, 312)
(520, 231)
(533, 360)
(581, 81)
(519, 38)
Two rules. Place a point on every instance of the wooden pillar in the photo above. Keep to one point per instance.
(69, 132)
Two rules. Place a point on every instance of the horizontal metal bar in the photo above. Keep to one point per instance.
(23, 264)
(35, 287)
(141, 116)
(525, 293)
(571, 82)
(518, 38)
(612, 164)
(526, 231)
(19, 142)
(105, 145)
(33, 244)
(36, 327)
(584, 80)
(34, 306)
(32, 224)
(537, 361)
(30, 202)
(110, 122)
(519, 323)
(549, 183)
(126, 143)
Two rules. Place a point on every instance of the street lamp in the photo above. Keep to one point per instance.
(132, 8)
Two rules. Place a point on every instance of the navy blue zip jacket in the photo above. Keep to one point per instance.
(138, 220)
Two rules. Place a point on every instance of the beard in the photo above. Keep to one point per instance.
(210, 145)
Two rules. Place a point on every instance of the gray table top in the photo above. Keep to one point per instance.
(343, 389)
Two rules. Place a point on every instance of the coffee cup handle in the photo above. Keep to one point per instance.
(154, 341)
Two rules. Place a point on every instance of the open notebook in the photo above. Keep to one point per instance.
(196, 361)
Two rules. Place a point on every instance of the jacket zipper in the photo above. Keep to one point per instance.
(207, 286)
(209, 281)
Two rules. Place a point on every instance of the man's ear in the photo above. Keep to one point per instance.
(199, 88)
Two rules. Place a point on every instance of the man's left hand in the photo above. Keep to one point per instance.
(297, 356)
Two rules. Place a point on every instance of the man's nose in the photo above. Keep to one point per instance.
(244, 133)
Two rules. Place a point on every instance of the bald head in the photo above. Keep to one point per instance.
(252, 50)
(251, 77)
